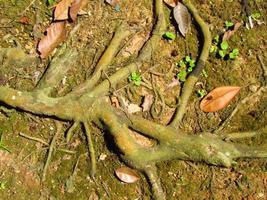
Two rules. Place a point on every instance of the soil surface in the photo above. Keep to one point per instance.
(22, 24)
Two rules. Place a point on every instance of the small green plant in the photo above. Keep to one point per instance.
(186, 65)
(204, 73)
(221, 49)
(201, 93)
(234, 53)
(136, 78)
(256, 16)
(169, 35)
(228, 24)
(2, 185)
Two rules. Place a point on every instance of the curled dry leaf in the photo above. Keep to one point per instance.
(55, 34)
(127, 175)
(218, 98)
(182, 17)
(171, 3)
(62, 10)
(76, 6)
(230, 33)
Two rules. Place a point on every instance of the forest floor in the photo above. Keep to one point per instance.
(21, 168)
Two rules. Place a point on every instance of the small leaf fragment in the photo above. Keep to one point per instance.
(219, 98)
(169, 35)
(76, 6)
(127, 175)
(230, 33)
(171, 3)
(182, 17)
(62, 10)
(55, 34)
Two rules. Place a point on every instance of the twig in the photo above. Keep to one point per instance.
(243, 102)
(51, 149)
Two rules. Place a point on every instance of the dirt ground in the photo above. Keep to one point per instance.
(21, 168)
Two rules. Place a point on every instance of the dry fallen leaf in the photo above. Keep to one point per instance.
(218, 98)
(182, 17)
(148, 101)
(112, 2)
(55, 34)
(171, 3)
(62, 10)
(127, 175)
(130, 107)
(76, 6)
(230, 33)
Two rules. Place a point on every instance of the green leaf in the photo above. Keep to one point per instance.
(221, 53)
(235, 51)
(216, 39)
(228, 24)
(204, 73)
(182, 64)
(201, 93)
(182, 75)
(169, 35)
(256, 15)
(192, 63)
(135, 78)
(187, 58)
(50, 2)
(224, 45)
(213, 49)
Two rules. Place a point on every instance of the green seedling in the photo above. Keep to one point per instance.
(169, 36)
(224, 45)
(256, 16)
(234, 53)
(201, 93)
(136, 78)
(228, 24)
(204, 73)
(186, 65)
(182, 75)
(2, 185)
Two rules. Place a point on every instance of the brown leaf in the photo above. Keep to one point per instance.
(230, 33)
(24, 20)
(218, 98)
(182, 17)
(148, 101)
(171, 3)
(55, 34)
(76, 6)
(62, 10)
(127, 175)
(112, 2)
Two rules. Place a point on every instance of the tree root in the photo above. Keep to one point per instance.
(87, 104)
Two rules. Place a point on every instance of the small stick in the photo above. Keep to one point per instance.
(51, 150)
(71, 130)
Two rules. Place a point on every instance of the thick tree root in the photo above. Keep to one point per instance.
(87, 104)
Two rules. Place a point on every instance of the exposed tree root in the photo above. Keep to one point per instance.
(87, 104)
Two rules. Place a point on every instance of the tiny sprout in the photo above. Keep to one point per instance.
(182, 64)
(221, 53)
(169, 36)
(204, 73)
(216, 39)
(228, 24)
(2, 185)
(135, 78)
(224, 45)
(182, 75)
(234, 53)
(256, 15)
(201, 93)
(213, 48)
